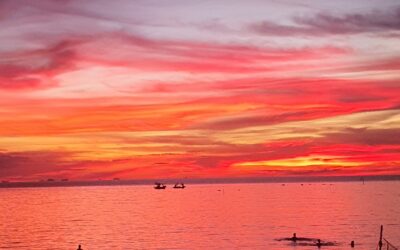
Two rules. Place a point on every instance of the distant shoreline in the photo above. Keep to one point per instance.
(84, 183)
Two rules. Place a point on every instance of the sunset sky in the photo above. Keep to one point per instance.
(196, 89)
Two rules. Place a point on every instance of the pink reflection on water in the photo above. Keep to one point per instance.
(241, 216)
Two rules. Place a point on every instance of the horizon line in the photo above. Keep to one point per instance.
(230, 180)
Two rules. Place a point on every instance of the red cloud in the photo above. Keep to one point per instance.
(35, 69)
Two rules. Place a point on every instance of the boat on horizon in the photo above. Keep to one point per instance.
(179, 185)
(159, 185)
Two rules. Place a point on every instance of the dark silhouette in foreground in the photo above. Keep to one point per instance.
(384, 243)
(295, 238)
(380, 243)
(159, 185)
(79, 248)
(303, 241)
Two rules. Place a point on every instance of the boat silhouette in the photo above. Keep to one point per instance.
(159, 185)
(179, 185)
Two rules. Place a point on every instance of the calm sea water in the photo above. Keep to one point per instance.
(214, 216)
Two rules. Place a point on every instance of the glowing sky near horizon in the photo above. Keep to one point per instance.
(195, 89)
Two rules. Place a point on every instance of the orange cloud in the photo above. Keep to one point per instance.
(124, 96)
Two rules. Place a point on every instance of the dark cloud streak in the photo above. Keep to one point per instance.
(328, 24)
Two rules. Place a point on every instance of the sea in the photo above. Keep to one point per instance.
(201, 216)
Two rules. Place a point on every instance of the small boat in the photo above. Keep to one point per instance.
(179, 185)
(159, 185)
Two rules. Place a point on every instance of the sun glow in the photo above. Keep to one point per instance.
(303, 161)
